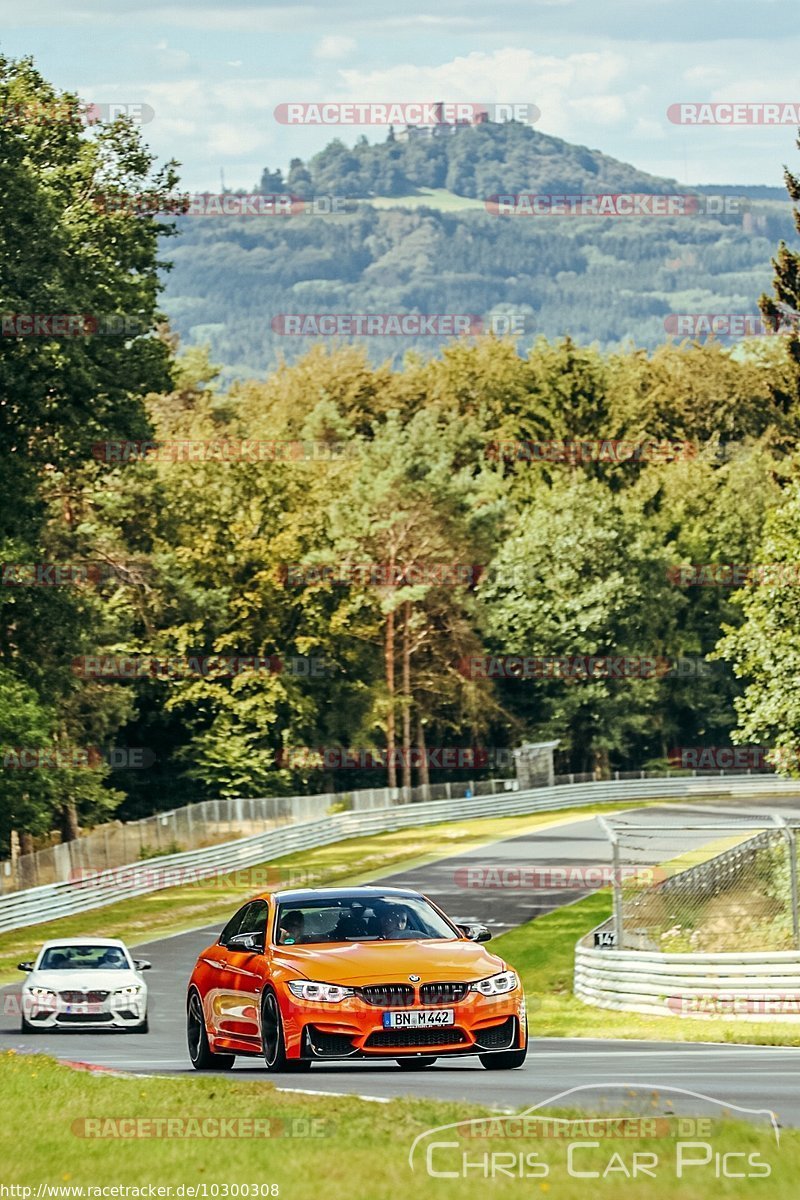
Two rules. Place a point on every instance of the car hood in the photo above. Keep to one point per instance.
(361, 963)
(83, 981)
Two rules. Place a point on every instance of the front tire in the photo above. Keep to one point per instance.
(202, 1056)
(414, 1064)
(504, 1060)
(273, 1043)
(142, 1027)
(26, 1027)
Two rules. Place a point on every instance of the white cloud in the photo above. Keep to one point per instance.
(334, 46)
(225, 138)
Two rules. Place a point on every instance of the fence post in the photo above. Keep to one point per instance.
(792, 843)
(611, 834)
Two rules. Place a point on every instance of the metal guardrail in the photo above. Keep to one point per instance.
(21, 909)
(746, 985)
(750, 986)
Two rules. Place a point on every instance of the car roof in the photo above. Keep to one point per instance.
(83, 941)
(352, 892)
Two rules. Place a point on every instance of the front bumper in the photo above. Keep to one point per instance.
(482, 1025)
(114, 1012)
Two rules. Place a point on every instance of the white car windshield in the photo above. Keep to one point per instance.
(74, 958)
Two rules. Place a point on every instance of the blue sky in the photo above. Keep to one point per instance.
(602, 72)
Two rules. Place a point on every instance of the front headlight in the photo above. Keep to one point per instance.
(42, 994)
(328, 992)
(133, 990)
(495, 985)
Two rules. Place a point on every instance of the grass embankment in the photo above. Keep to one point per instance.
(361, 1151)
(206, 902)
(543, 952)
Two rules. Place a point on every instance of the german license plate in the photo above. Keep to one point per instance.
(80, 1009)
(419, 1018)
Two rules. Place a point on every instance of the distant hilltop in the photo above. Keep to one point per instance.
(449, 119)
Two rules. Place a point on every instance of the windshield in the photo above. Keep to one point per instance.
(355, 919)
(75, 958)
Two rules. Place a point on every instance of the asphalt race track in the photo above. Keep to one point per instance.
(741, 1076)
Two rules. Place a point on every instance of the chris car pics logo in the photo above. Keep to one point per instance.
(609, 1148)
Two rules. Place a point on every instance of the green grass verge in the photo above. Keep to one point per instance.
(543, 952)
(360, 1152)
(191, 905)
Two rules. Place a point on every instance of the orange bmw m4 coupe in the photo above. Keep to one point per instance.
(330, 974)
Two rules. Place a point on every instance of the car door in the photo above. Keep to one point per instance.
(215, 964)
(242, 978)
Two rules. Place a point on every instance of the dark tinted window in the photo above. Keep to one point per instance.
(357, 918)
(255, 919)
(74, 958)
(234, 925)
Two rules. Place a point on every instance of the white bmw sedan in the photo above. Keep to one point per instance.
(84, 983)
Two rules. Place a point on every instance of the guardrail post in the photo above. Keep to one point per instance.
(611, 834)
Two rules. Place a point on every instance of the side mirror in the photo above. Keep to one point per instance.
(252, 942)
(26, 966)
(476, 933)
(142, 964)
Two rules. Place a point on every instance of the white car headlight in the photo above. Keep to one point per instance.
(134, 990)
(495, 985)
(329, 992)
(42, 994)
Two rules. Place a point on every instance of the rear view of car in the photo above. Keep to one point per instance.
(85, 983)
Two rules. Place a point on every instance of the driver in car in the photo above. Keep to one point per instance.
(392, 920)
(291, 928)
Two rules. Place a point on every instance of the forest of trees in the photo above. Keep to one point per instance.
(194, 549)
(613, 282)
